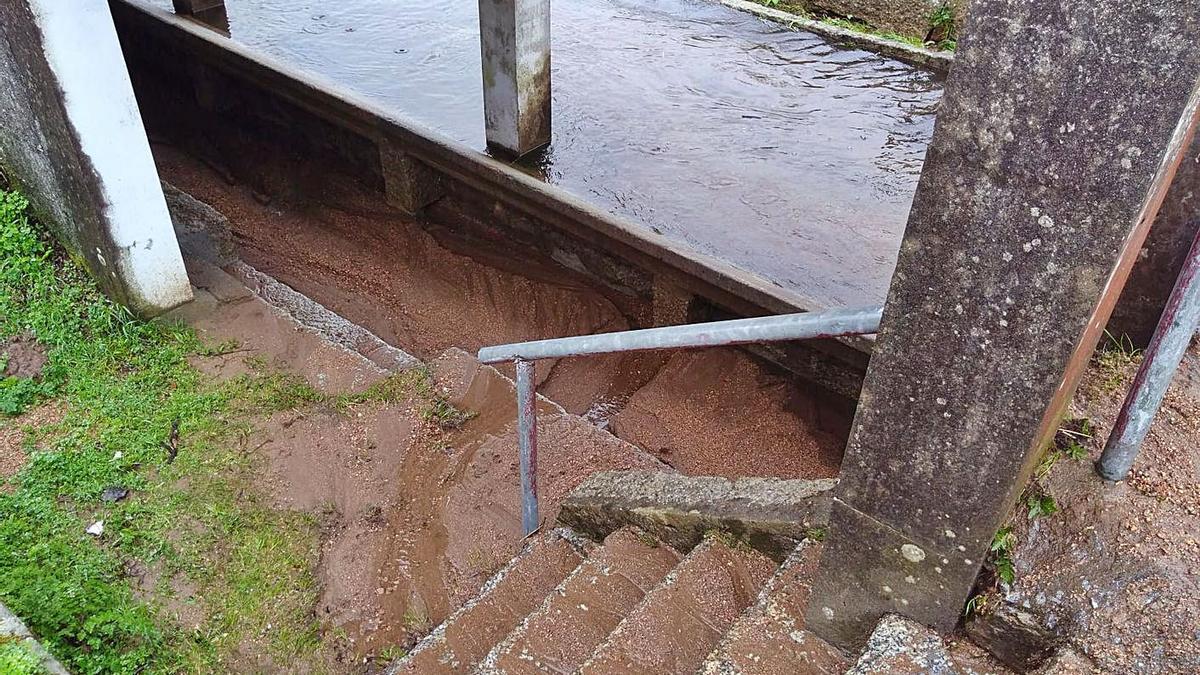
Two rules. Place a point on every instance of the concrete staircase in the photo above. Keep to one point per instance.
(633, 605)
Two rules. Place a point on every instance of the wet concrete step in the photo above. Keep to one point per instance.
(520, 587)
(770, 637)
(681, 620)
(586, 607)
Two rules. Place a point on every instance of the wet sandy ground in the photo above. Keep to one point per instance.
(345, 250)
(1117, 569)
(416, 516)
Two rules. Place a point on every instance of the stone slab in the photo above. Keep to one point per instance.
(770, 637)
(768, 514)
(681, 620)
(12, 628)
(518, 588)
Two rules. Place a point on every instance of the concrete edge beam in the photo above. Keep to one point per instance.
(935, 60)
(323, 321)
(12, 628)
(771, 515)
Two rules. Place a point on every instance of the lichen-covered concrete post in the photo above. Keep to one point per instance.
(1150, 283)
(1062, 125)
(209, 12)
(72, 139)
(515, 38)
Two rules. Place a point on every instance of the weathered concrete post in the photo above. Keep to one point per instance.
(209, 12)
(515, 38)
(408, 183)
(1061, 127)
(1150, 283)
(71, 138)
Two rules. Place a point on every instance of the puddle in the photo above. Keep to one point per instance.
(769, 148)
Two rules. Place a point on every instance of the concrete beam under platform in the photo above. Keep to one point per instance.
(1060, 131)
(209, 12)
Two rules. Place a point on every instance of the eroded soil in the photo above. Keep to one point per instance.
(340, 245)
(1117, 570)
(418, 505)
(13, 434)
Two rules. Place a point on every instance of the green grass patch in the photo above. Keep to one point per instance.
(941, 25)
(1114, 362)
(18, 658)
(139, 416)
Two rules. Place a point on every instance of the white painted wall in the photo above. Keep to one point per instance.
(82, 49)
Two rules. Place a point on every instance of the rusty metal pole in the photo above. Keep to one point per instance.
(1171, 338)
(527, 443)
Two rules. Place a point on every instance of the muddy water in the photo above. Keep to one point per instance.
(770, 148)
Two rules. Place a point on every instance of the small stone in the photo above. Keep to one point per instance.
(114, 494)
(96, 529)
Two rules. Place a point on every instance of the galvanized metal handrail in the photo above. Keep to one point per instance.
(1178, 324)
(805, 326)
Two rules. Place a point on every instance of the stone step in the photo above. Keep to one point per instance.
(520, 587)
(585, 608)
(770, 637)
(901, 646)
(681, 620)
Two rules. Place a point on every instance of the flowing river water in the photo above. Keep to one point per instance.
(770, 148)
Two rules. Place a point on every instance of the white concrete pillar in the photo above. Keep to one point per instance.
(515, 38)
(72, 138)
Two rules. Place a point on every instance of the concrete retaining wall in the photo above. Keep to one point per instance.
(72, 140)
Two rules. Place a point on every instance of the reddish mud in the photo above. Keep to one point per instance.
(23, 356)
(718, 413)
(340, 245)
(415, 517)
(13, 435)
(418, 517)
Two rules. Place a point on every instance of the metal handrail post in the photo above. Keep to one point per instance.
(805, 326)
(1171, 338)
(527, 443)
